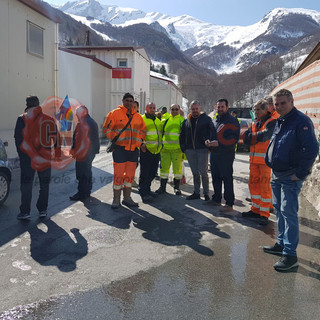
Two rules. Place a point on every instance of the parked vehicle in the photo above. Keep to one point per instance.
(242, 113)
(5, 173)
(244, 125)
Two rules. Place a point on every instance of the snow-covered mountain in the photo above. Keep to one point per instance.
(224, 49)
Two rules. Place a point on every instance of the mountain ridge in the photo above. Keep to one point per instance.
(201, 41)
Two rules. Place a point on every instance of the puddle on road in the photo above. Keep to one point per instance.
(233, 283)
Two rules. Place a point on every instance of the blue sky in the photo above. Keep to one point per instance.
(221, 12)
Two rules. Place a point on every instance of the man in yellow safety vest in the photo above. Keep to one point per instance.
(171, 152)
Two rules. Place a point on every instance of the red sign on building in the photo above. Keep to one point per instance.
(121, 73)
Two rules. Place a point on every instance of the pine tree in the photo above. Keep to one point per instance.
(163, 71)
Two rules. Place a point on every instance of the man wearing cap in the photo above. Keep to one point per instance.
(126, 152)
(31, 147)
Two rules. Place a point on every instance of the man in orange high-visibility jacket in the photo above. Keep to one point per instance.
(274, 114)
(258, 136)
(126, 152)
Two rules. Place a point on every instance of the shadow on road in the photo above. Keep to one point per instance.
(183, 228)
(55, 247)
(102, 212)
(309, 273)
(63, 185)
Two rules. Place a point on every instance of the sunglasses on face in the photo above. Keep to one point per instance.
(174, 109)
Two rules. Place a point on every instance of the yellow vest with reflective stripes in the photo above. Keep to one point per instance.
(171, 132)
(153, 139)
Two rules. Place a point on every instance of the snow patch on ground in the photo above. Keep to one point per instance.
(311, 187)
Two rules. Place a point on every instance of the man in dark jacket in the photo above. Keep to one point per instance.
(291, 153)
(223, 154)
(84, 153)
(35, 134)
(195, 130)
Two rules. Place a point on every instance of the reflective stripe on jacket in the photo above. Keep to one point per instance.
(132, 137)
(171, 132)
(258, 150)
(153, 139)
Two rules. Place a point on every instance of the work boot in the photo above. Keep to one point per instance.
(116, 199)
(163, 184)
(177, 186)
(250, 214)
(127, 200)
(275, 249)
(286, 263)
(193, 196)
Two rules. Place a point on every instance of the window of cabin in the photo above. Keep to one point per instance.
(122, 63)
(35, 39)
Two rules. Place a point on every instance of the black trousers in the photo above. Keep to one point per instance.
(149, 163)
(26, 183)
(222, 170)
(84, 175)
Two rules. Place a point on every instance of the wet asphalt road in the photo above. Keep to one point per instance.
(171, 259)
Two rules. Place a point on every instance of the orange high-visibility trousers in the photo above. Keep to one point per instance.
(123, 174)
(260, 189)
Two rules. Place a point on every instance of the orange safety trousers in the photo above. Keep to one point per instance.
(260, 189)
(123, 174)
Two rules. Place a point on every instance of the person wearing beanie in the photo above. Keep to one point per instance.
(31, 102)
(30, 147)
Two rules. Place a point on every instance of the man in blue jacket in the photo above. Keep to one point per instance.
(291, 153)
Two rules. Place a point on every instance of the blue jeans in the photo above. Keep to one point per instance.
(285, 194)
(198, 162)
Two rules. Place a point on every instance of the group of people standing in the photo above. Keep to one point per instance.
(283, 148)
(149, 138)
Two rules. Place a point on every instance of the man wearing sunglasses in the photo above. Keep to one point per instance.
(171, 152)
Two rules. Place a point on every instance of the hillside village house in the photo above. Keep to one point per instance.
(130, 72)
(163, 91)
(28, 64)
